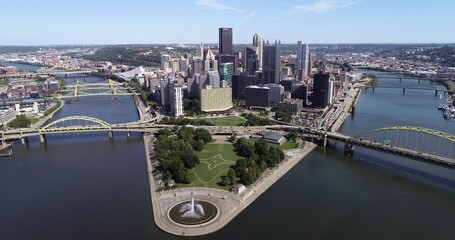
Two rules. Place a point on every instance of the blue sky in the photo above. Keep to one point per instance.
(40, 22)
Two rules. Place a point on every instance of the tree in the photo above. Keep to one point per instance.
(225, 181)
(244, 147)
(292, 135)
(203, 134)
(186, 133)
(198, 145)
(261, 148)
(182, 176)
(190, 161)
(232, 176)
(247, 178)
(233, 138)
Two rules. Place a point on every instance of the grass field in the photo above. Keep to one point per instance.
(216, 160)
(226, 121)
(286, 145)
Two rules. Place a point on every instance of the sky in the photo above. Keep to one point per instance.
(45, 22)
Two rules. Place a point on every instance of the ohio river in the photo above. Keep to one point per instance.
(83, 186)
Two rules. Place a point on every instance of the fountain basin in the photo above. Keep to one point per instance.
(193, 212)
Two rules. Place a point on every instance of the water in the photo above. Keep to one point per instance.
(20, 66)
(83, 186)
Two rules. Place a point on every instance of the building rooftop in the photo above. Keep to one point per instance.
(271, 136)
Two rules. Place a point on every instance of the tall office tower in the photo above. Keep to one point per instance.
(165, 61)
(164, 86)
(321, 90)
(271, 65)
(299, 91)
(213, 78)
(183, 64)
(303, 61)
(200, 51)
(251, 59)
(256, 96)
(313, 58)
(198, 66)
(287, 83)
(210, 63)
(225, 41)
(226, 72)
(176, 99)
(275, 92)
(258, 43)
(239, 84)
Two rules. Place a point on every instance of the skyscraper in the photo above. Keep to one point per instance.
(303, 60)
(210, 63)
(258, 43)
(176, 99)
(271, 67)
(251, 60)
(321, 90)
(225, 41)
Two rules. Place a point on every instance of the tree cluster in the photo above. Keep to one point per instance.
(175, 153)
(128, 55)
(258, 156)
(185, 121)
(285, 116)
(21, 121)
(192, 106)
(144, 95)
(253, 120)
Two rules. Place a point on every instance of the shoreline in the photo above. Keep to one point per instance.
(228, 203)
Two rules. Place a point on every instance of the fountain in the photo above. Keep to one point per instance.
(193, 212)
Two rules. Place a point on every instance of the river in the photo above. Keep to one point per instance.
(83, 186)
(20, 66)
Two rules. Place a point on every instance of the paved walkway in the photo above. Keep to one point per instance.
(229, 204)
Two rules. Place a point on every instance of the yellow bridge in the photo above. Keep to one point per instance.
(107, 88)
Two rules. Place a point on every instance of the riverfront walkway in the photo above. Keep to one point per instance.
(229, 204)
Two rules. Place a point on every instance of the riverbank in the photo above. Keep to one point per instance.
(228, 203)
(49, 115)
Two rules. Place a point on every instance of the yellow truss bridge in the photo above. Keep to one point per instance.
(107, 88)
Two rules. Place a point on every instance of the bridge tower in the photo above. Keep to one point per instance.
(348, 148)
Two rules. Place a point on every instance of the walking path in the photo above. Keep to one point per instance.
(228, 203)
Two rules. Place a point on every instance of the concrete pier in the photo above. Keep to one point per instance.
(42, 138)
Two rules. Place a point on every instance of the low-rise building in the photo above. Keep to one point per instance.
(6, 116)
(292, 105)
(272, 137)
(238, 188)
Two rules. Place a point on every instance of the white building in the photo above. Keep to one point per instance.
(258, 43)
(176, 99)
(7, 115)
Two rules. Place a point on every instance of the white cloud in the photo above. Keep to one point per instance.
(251, 14)
(322, 6)
(215, 4)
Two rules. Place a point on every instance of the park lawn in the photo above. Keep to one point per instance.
(215, 161)
(226, 121)
(286, 145)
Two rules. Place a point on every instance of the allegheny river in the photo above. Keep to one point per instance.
(84, 186)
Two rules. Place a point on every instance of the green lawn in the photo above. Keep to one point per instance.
(216, 160)
(226, 121)
(286, 145)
